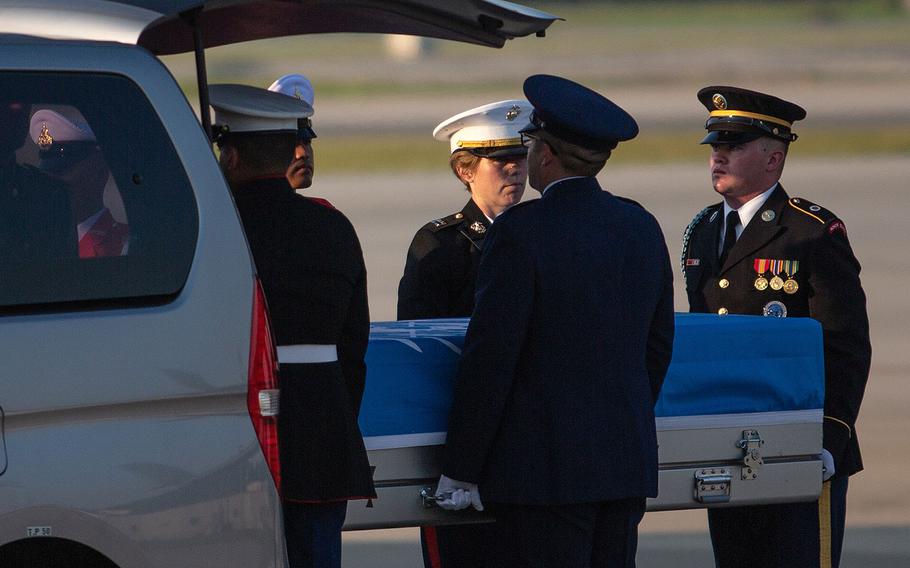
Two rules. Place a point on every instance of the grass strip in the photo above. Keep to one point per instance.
(357, 154)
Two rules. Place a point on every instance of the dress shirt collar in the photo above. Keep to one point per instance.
(749, 209)
(544, 192)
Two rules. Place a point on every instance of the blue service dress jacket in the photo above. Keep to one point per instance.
(565, 354)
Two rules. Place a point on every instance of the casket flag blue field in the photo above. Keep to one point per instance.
(739, 415)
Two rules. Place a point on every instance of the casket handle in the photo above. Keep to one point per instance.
(429, 497)
(713, 485)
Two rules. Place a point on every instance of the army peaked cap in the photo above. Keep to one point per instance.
(739, 115)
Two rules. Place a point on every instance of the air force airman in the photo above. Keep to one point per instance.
(553, 422)
(762, 252)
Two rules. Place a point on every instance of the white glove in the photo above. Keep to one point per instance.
(458, 494)
(827, 465)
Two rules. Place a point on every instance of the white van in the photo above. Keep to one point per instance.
(137, 382)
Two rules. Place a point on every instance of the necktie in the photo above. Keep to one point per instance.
(729, 235)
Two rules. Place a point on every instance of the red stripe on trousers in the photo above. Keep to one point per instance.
(429, 534)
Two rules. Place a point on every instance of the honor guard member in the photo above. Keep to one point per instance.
(69, 152)
(318, 306)
(35, 218)
(488, 158)
(762, 252)
(303, 167)
(552, 422)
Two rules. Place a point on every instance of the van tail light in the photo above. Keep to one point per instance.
(262, 390)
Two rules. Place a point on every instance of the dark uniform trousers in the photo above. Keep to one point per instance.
(311, 266)
(438, 282)
(806, 248)
(563, 361)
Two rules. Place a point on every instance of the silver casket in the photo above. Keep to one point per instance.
(739, 418)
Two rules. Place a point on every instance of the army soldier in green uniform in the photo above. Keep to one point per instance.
(488, 158)
(762, 252)
(441, 267)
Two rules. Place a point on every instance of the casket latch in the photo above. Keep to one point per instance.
(712, 485)
(752, 461)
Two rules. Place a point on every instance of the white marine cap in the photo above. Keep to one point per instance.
(295, 85)
(242, 108)
(488, 131)
(49, 127)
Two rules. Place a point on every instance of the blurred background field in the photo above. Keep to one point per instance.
(375, 112)
(846, 62)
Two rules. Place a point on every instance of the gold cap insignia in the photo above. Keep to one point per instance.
(478, 227)
(513, 113)
(45, 139)
(720, 103)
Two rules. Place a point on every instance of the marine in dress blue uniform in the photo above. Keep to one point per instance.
(442, 261)
(762, 252)
(571, 336)
(311, 266)
(301, 170)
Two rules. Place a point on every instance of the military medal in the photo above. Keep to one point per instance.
(777, 282)
(791, 267)
(761, 265)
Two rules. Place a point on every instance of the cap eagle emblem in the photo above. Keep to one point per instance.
(720, 103)
(44, 138)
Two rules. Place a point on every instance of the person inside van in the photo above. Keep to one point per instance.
(69, 152)
(35, 218)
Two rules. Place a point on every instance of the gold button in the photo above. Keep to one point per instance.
(723, 311)
(723, 283)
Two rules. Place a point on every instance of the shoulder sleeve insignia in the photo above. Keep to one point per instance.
(812, 210)
(688, 234)
(837, 227)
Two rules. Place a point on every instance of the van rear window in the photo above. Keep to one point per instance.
(95, 206)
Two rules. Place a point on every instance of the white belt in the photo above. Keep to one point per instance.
(307, 353)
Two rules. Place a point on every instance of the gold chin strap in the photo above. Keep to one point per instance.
(489, 143)
(754, 115)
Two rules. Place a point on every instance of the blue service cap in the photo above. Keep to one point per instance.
(576, 114)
